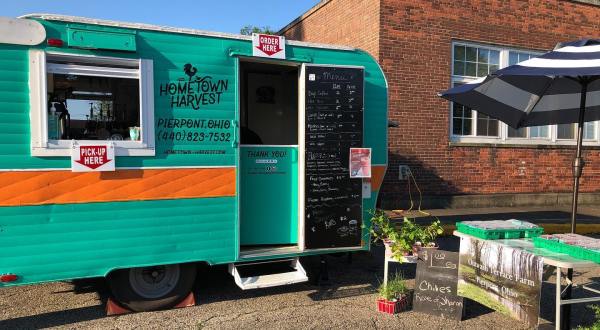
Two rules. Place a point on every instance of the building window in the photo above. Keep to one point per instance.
(540, 132)
(471, 61)
(462, 119)
(90, 99)
(569, 131)
(486, 125)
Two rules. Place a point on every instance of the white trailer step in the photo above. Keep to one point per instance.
(264, 274)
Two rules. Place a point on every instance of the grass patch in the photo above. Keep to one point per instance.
(478, 294)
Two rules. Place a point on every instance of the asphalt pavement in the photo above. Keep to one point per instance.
(346, 301)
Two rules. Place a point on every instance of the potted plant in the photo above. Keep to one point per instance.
(383, 230)
(393, 295)
(406, 239)
(420, 237)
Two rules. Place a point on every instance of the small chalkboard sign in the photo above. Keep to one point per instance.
(435, 285)
(334, 124)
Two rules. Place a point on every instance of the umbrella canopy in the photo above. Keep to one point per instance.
(559, 87)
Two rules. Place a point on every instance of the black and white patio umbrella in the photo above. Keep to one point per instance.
(559, 87)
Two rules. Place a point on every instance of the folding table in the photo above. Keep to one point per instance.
(562, 262)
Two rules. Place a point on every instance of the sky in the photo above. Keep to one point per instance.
(215, 15)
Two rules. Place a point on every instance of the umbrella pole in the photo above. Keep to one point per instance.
(577, 169)
(578, 162)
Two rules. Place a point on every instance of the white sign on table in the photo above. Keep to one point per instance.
(503, 278)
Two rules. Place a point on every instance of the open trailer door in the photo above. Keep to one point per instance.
(331, 123)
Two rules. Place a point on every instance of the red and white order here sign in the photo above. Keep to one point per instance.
(92, 157)
(266, 45)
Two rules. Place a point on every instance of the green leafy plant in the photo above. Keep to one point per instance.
(382, 228)
(596, 324)
(394, 289)
(402, 238)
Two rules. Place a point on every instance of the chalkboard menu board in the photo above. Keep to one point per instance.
(435, 285)
(333, 125)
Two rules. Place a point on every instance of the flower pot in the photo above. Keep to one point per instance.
(416, 248)
(392, 307)
(388, 248)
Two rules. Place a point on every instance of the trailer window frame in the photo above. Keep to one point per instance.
(140, 69)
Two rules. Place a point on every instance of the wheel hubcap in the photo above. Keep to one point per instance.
(154, 282)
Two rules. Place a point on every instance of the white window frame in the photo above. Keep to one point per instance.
(41, 146)
(503, 137)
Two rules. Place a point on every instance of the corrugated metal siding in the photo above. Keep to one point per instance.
(56, 242)
(14, 106)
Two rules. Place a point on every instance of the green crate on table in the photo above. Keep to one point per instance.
(553, 245)
(477, 232)
(575, 251)
(533, 232)
(492, 234)
(587, 254)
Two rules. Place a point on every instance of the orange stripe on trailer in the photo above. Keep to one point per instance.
(377, 174)
(63, 187)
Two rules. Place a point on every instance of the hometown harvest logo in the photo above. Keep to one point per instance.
(195, 91)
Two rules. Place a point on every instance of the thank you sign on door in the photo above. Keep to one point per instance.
(96, 157)
(266, 45)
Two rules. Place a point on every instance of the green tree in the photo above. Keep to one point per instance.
(249, 29)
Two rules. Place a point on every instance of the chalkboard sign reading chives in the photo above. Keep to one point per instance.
(333, 125)
(435, 285)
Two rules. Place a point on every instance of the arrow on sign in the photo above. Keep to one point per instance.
(93, 156)
(269, 44)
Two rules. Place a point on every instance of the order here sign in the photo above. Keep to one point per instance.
(266, 45)
(95, 157)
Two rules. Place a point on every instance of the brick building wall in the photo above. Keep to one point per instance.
(349, 22)
(415, 48)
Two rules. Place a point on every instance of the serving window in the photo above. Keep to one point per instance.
(91, 99)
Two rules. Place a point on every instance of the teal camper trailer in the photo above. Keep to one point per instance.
(134, 152)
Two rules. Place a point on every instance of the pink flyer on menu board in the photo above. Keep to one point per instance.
(360, 162)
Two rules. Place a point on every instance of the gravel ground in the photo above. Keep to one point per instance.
(347, 302)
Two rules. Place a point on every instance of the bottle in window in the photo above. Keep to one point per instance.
(53, 129)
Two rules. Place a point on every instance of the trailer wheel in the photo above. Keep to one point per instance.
(152, 288)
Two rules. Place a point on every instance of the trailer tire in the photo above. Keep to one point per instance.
(152, 288)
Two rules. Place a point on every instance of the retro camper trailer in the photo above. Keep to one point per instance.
(135, 152)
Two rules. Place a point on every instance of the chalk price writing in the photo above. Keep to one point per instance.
(193, 136)
(442, 303)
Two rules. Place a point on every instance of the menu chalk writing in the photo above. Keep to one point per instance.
(435, 284)
(333, 125)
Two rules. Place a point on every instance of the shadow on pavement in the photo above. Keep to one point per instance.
(55, 319)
